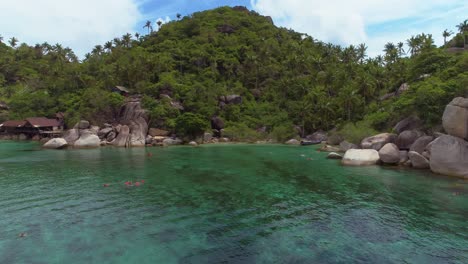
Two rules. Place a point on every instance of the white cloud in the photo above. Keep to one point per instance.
(79, 24)
(374, 22)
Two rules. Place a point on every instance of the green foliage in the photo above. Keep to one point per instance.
(285, 78)
(283, 133)
(190, 125)
(241, 132)
(356, 132)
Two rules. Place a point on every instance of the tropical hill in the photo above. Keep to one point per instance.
(263, 81)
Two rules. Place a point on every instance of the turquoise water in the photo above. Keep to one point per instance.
(223, 204)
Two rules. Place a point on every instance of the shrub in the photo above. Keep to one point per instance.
(283, 132)
(356, 132)
(190, 125)
(241, 132)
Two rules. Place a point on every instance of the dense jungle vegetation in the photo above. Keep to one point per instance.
(286, 79)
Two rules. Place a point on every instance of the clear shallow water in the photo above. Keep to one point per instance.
(223, 204)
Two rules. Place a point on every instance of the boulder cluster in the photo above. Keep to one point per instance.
(441, 153)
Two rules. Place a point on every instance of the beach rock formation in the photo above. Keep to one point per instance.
(360, 157)
(56, 143)
(71, 135)
(449, 156)
(455, 118)
(389, 154)
(122, 139)
(378, 141)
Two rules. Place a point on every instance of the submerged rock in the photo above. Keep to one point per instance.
(193, 143)
(360, 157)
(334, 155)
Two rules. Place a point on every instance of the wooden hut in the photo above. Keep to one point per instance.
(12, 126)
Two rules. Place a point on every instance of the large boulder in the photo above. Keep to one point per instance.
(449, 156)
(111, 136)
(87, 140)
(345, 146)
(378, 141)
(217, 123)
(83, 124)
(94, 130)
(389, 154)
(122, 139)
(156, 132)
(71, 136)
(360, 157)
(292, 142)
(418, 161)
(318, 136)
(420, 144)
(407, 138)
(409, 123)
(104, 132)
(56, 143)
(136, 119)
(455, 118)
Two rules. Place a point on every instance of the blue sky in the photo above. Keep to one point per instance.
(83, 24)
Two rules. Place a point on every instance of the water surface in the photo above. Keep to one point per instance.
(223, 204)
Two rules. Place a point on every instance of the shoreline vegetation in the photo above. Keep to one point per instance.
(230, 75)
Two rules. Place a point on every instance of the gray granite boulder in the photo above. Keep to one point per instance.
(360, 157)
(56, 143)
(389, 154)
(407, 138)
(378, 141)
(449, 156)
(418, 161)
(455, 118)
(420, 144)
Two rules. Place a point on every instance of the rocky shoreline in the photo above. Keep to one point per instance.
(445, 154)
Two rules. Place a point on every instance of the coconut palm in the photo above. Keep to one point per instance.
(361, 52)
(159, 23)
(126, 39)
(446, 34)
(108, 46)
(137, 35)
(13, 41)
(148, 25)
(463, 27)
(401, 51)
(178, 16)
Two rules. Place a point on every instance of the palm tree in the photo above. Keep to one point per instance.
(97, 50)
(137, 35)
(178, 16)
(463, 27)
(413, 44)
(13, 41)
(361, 52)
(159, 23)
(108, 46)
(446, 34)
(401, 51)
(148, 25)
(126, 39)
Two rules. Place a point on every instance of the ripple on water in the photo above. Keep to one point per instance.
(230, 204)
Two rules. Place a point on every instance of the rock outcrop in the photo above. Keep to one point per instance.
(360, 157)
(389, 154)
(378, 141)
(455, 118)
(135, 118)
(318, 136)
(122, 139)
(156, 132)
(334, 139)
(72, 135)
(56, 143)
(449, 156)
